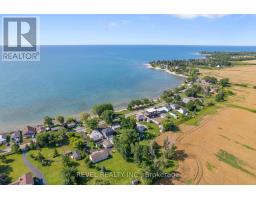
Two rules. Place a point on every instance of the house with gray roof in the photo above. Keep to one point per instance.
(98, 156)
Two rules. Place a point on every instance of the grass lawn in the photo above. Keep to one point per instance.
(153, 129)
(51, 173)
(198, 117)
(116, 166)
(14, 167)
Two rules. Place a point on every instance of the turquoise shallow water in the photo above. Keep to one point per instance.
(71, 79)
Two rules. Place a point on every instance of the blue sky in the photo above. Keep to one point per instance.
(148, 29)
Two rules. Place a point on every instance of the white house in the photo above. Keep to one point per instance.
(96, 135)
(183, 111)
(2, 140)
(173, 115)
(174, 106)
(163, 109)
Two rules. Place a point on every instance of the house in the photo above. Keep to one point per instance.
(183, 111)
(29, 132)
(2, 139)
(173, 115)
(107, 132)
(107, 144)
(174, 106)
(80, 129)
(56, 128)
(115, 126)
(186, 100)
(40, 128)
(141, 128)
(98, 156)
(75, 155)
(26, 179)
(140, 117)
(71, 125)
(16, 136)
(96, 136)
(151, 112)
(163, 109)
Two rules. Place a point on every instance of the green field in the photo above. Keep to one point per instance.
(199, 116)
(116, 166)
(14, 167)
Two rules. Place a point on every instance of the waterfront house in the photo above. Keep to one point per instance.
(107, 144)
(96, 135)
(183, 111)
(174, 106)
(29, 132)
(163, 109)
(71, 125)
(15, 136)
(75, 155)
(151, 112)
(2, 139)
(40, 128)
(107, 132)
(56, 128)
(98, 156)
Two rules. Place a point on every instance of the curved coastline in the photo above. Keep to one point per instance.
(165, 70)
(76, 115)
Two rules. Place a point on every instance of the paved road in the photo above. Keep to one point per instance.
(34, 170)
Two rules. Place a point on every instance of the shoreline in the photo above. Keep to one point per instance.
(165, 70)
(119, 108)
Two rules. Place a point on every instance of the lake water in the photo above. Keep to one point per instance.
(71, 79)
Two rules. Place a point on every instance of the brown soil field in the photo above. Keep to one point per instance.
(231, 130)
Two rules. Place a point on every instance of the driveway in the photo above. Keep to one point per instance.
(34, 170)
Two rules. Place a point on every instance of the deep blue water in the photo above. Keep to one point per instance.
(71, 79)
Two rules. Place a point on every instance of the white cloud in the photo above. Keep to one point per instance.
(193, 16)
(115, 24)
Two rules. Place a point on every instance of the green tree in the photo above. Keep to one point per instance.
(210, 79)
(71, 120)
(224, 82)
(191, 106)
(220, 96)
(128, 123)
(8, 138)
(21, 137)
(48, 121)
(4, 179)
(92, 123)
(60, 119)
(100, 108)
(15, 148)
(168, 125)
(108, 116)
(55, 153)
(70, 176)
